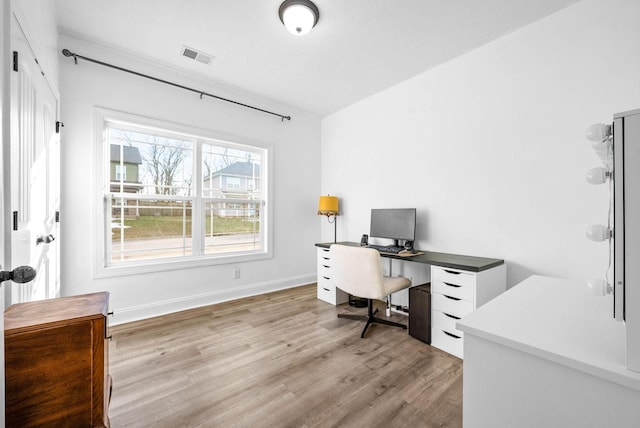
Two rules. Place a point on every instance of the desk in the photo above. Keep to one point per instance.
(459, 285)
(547, 353)
(453, 261)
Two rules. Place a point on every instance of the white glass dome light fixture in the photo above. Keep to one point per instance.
(299, 16)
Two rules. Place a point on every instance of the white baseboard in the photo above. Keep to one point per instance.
(155, 309)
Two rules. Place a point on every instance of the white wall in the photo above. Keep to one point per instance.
(295, 148)
(490, 146)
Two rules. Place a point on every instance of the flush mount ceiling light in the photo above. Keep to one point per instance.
(299, 16)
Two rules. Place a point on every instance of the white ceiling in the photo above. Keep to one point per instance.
(358, 48)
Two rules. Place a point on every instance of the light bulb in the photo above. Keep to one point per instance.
(598, 233)
(598, 175)
(602, 145)
(599, 287)
(598, 132)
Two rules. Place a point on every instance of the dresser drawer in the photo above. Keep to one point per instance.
(447, 341)
(327, 294)
(450, 305)
(324, 271)
(453, 290)
(445, 321)
(324, 260)
(324, 255)
(452, 276)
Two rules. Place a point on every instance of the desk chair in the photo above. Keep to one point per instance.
(358, 271)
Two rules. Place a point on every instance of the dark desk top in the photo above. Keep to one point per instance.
(454, 261)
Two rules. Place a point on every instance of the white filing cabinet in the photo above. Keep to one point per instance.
(456, 293)
(327, 290)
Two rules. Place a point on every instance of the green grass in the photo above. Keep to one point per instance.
(172, 226)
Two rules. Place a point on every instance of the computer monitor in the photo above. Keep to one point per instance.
(393, 223)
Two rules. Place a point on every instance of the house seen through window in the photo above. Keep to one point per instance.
(176, 196)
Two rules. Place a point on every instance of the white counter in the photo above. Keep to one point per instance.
(547, 353)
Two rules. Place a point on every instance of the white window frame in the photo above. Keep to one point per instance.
(103, 116)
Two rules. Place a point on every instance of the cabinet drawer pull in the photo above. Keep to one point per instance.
(326, 266)
(451, 272)
(325, 289)
(451, 316)
(451, 334)
(326, 277)
(452, 298)
(451, 285)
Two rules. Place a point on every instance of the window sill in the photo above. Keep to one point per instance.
(136, 268)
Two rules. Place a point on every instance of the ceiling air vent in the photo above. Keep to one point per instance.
(197, 55)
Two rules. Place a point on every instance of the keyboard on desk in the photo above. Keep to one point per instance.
(387, 249)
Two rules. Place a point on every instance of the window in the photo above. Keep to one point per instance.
(188, 204)
(121, 172)
(233, 183)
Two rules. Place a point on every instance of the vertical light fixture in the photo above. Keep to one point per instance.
(328, 205)
(299, 16)
(601, 137)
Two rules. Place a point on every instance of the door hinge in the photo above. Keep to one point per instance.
(15, 220)
(57, 216)
(58, 126)
(15, 60)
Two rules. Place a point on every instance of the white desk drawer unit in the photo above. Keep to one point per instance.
(327, 290)
(455, 294)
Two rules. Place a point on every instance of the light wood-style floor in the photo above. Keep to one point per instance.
(281, 359)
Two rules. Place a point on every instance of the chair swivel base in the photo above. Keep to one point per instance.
(370, 318)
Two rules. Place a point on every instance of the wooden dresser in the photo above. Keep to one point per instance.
(56, 359)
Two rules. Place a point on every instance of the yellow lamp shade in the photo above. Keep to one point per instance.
(328, 205)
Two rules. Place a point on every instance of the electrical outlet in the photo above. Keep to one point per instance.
(236, 273)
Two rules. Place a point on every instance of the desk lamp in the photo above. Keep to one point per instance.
(328, 205)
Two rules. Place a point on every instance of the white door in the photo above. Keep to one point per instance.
(35, 171)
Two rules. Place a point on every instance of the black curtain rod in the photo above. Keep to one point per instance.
(68, 53)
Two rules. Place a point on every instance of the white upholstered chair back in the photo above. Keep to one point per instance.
(358, 271)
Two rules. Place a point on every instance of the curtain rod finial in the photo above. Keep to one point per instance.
(68, 53)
